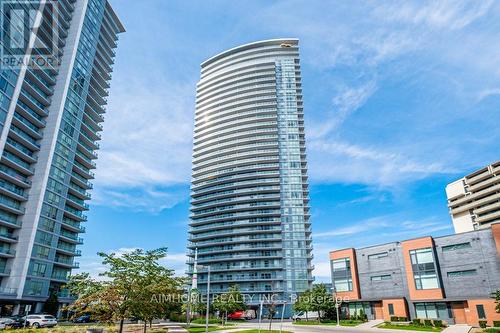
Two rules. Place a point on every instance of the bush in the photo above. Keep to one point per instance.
(427, 322)
(416, 322)
(177, 317)
(394, 318)
(437, 323)
(402, 318)
(483, 323)
(496, 323)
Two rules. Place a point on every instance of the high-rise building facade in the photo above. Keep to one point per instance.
(474, 200)
(250, 202)
(50, 115)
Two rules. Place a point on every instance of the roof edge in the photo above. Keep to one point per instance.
(245, 46)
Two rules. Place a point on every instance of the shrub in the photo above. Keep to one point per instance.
(437, 323)
(416, 322)
(483, 323)
(394, 318)
(402, 318)
(496, 323)
(427, 322)
(177, 317)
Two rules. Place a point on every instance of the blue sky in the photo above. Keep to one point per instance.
(400, 99)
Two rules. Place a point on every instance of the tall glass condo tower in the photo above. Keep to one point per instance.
(50, 119)
(249, 200)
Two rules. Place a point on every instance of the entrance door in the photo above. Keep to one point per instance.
(458, 309)
(378, 310)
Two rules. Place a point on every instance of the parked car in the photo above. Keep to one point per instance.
(41, 320)
(248, 314)
(82, 319)
(12, 322)
(311, 315)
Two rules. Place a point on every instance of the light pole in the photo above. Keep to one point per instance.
(282, 315)
(337, 305)
(208, 296)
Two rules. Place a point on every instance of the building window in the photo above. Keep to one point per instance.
(481, 314)
(454, 247)
(377, 255)
(381, 277)
(432, 310)
(424, 270)
(462, 273)
(341, 274)
(391, 309)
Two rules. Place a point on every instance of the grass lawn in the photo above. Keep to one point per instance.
(492, 330)
(263, 331)
(411, 328)
(201, 329)
(331, 323)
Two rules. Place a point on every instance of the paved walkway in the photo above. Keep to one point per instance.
(457, 329)
(173, 327)
(370, 324)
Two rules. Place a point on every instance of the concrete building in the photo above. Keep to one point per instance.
(449, 278)
(474, 200)
(51, 115)
(250, 198)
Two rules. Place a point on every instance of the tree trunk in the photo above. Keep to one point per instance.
(270, 322)
(121, 325)
(151, 324)
(145, 326)
(307, 319)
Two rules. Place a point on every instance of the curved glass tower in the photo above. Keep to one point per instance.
(249, 199)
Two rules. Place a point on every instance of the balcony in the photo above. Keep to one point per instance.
(14, 177)
(83, 171)
(4, 271)
(11, 205)
(68, 250)
(8, 237)
(7, 253)
(73, 226)
(66, 262)
(79, 204)
(16, 163)
(8, 291)
(26, 126)
(81, 181)
(84, 160)
(19, 135)
(75, 214)
(12, 190)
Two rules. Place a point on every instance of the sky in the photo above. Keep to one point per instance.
(400, 98)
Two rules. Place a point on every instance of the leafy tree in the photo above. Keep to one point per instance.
(303, 303)
(51, 304)
(229, 302)
(321, 300)
(271, 310)
(496, 296)
(135, 285)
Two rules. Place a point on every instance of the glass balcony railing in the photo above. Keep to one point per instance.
(8, 291)
(24, 136)
(12, 188)
(17, 160)
(14, 174)
(8, 251)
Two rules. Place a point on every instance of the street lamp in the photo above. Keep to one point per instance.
(337, 304)
(208, 295)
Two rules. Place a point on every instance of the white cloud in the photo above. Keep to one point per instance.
(366, 165)
(449, 14)
(347, 101)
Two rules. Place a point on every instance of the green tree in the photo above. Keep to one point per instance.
(321, 300)
(271, 311)
(229, 302)
(496, 296)
(303, 303)
(51, 305)
(135, 284)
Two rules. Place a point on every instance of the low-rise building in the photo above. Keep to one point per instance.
(450, 278)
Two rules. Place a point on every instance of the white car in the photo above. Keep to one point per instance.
(311, 315)
(41, 320)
